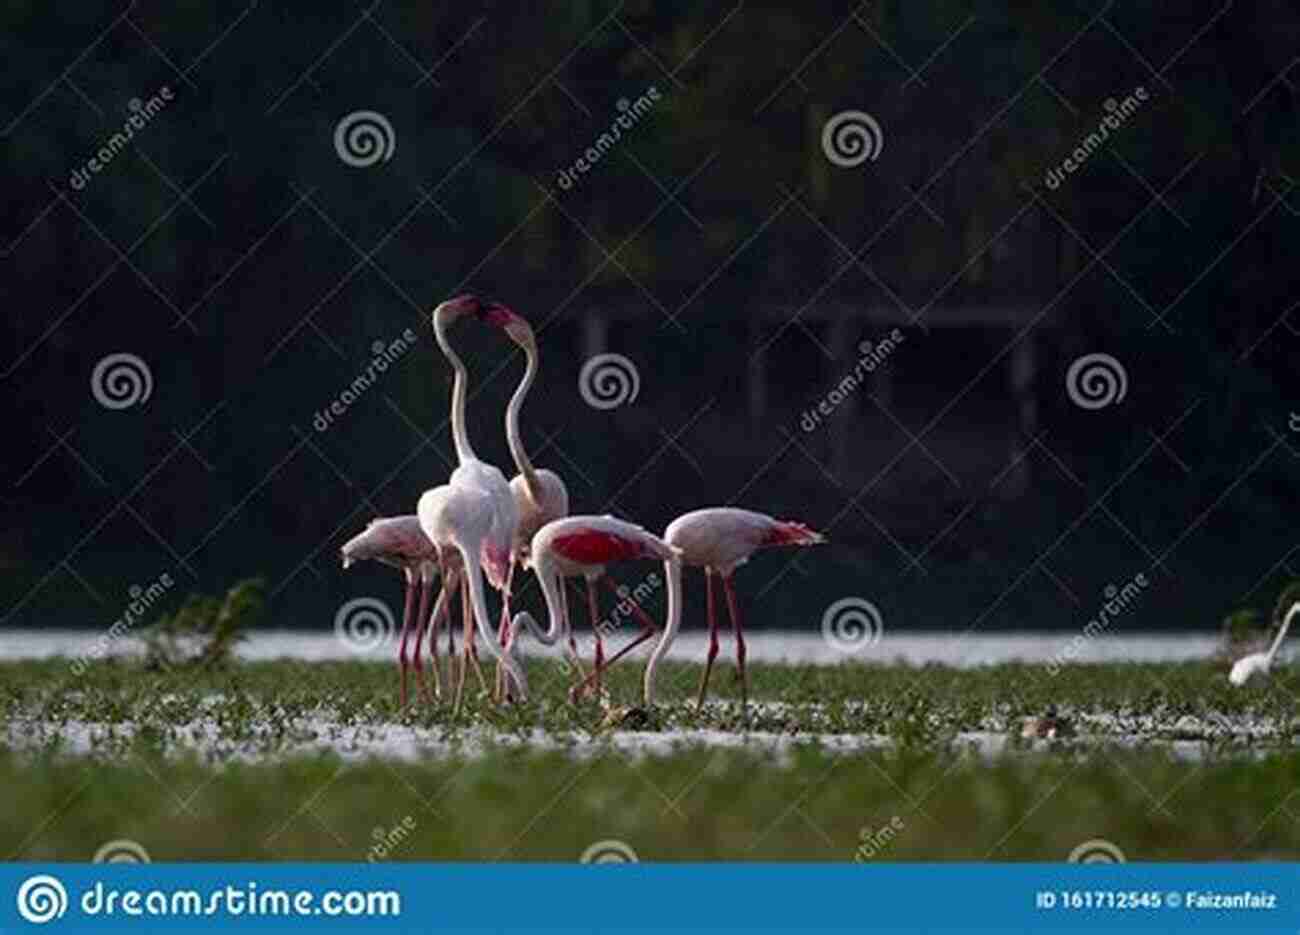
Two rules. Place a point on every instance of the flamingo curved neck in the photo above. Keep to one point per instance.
(459, 433)
(556, 620)
(1281, 634)
(673, 572)
(512, 427)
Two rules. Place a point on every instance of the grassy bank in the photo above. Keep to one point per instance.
(695, 805)
(158, 768)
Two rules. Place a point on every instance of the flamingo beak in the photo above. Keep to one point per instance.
(518, 329)
(455, 307)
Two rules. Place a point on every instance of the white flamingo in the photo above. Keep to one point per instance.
(720, 539)
(399, 542)
(1245, 668)
(581, 546)
(474, 512)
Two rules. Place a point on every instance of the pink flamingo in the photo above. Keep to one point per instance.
(474, 513)
(540, 494)
(720, 540)
(581, 546)
(398, 541)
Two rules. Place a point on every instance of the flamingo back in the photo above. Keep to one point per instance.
(396, 540)
(725, 537)
(595, 541)
(534, 514)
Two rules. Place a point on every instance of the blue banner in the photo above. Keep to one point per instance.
(875, 897)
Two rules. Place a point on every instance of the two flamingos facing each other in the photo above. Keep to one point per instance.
(474, 513)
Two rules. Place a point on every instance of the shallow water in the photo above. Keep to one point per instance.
(409, 743)
(954, 649)
(270, 736)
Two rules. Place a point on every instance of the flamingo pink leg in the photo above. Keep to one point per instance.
(441, 616)
(470, 650)
(451, 641)
(573, 642)
(594, 612)
(421, 618)
(713, 636)
(740, 639)
(432, 624)
(503, 631)
(648, 629)
(409, 605)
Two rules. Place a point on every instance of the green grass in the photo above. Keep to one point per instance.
(696, 805)
(146, 779)
(918, 706)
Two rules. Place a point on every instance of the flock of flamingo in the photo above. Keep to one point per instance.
(477, 525)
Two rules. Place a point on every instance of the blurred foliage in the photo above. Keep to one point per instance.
(203, 632)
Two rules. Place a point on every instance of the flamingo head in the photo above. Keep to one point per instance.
(515, 326)
(457, 307)
(1247, 667)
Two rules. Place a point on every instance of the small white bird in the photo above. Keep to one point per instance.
(1245, 668)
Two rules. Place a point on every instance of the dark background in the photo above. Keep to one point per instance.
(716, 247)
